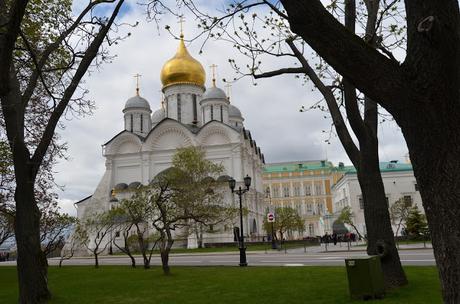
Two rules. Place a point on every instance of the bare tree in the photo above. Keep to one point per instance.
(95, 233)
(127, 246)
(421, 93)
(54, 63)
(399, 211)
(6, 227)
(261, 37)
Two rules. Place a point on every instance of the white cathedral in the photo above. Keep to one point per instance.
(190, 115)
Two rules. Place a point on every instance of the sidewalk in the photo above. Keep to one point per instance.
(361, 247)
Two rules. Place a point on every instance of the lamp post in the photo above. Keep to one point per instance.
(240, 192)
(267, 192)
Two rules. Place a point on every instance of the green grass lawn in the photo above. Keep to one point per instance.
(120, 284)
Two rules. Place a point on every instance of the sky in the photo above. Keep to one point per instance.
(270, 109)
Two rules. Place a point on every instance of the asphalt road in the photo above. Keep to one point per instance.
(420, 257)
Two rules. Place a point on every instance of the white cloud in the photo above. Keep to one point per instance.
(270, 109)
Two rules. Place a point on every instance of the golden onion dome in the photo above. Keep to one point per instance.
(182, 68)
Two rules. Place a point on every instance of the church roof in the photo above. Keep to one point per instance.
(298, 166)
(83, 199)
(214, 93)
(234, 111)
(158, 116)
(182, 68)
(121, 132)
(137, 102)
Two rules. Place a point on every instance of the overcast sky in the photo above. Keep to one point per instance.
(270, 109)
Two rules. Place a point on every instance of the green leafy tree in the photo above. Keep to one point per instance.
(416, 222)
(346, 216)
(287, 221)
(202, 189)
(136, 213)
(183, 196)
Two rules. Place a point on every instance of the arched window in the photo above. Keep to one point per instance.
(131, 122)
(212, 112)
(179, 108)
(221, 114)
(195, 110)
(142, 123)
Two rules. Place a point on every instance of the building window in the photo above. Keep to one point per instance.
(142, 123)
(361, 203)
(307, 190)
(202, 114)
(275, 192)
(221, 114)
(195, 109)
(166, 99)
(267, 192)
(318, 189)
(296, 191)
(298, 207)
(309, 209)
(311, 229)
(117, 234)
(212, 112)
(416, 187)
(321, 208)
(286, 191)
(179, 108)
(132, 122)
(407, 200)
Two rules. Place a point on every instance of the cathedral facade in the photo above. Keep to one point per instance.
(190, 115)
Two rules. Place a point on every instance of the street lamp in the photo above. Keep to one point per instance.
(240, 192)
(267, 192)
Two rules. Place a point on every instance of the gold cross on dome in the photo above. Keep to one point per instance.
(213, 69)
(137, 76)
(181, 22)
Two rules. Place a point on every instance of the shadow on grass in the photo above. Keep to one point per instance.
(120, 284)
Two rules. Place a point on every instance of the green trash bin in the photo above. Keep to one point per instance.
(365, 277)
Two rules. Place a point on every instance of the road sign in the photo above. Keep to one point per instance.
(270, 217)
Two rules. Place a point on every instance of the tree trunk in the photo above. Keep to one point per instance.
(199, 236)
(96, 260)
(133, 261)
(165, 261)
(31, 263)
(433, 138)
(378, 225)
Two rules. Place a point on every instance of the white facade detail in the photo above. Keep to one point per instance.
(148, 142)
(398, 184)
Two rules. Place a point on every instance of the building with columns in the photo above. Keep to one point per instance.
(398, 180)
(306, 187)
(190, 115)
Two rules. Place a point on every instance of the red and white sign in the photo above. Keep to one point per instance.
(270, 217)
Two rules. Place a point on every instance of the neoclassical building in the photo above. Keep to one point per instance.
(398, 180)
(190, 115)
(306, 187)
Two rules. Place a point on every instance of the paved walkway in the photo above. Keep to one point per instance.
(343, 247)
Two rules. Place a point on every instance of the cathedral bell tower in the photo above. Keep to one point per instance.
(137, 114)
(183, 79)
